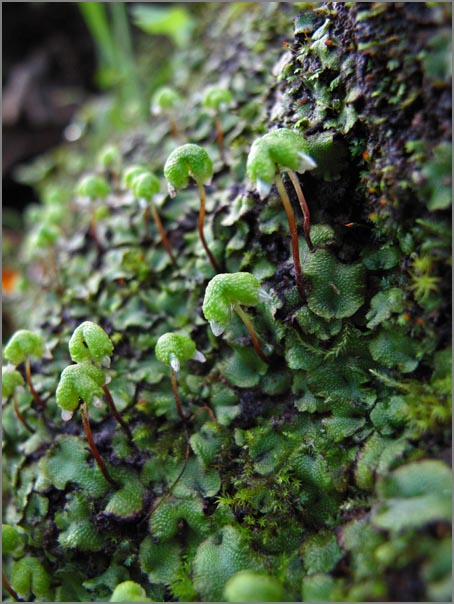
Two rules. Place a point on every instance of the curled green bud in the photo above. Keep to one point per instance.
(226, 290)
(109, 156)
(93, 187)
(145, 185)
(82, 381)
(129, 591)
(24, 344)
(164, 99)
(280, 148)
(11, 379)
(131, 173)
(174, 348)
(249, 586)
(187, 161)
(216, 98)
(90, 342)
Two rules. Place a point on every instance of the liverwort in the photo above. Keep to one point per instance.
(283, 150)
(231, 291)
(216, 99)
(23, 345)
(144, 186)
(92, 188)
(165, 101)
(191, 161)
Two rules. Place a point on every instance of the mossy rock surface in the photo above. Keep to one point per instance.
(322, 469)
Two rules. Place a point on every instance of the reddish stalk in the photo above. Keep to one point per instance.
(174, 130)
(20, 416)
(293, 233)
(208, 410)
(115, 412)
(202, 195)
(160, 227)
(28, 377)
(93, 447)
(9, 589)
(220, 138)
(255, 342)
(304, 207)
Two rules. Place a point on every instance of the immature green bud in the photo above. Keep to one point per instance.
(90, 342)
(145, 185)
(226, 290)
(164, 99)
(81, 381)
(93, 187)
(216, 98)
(174, 348)
(188, 161)
(131, 173)
(11, 379)
(109, 156)
(280, 148)
(129, 591)
(24, 344)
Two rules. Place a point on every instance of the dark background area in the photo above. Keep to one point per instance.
(49, 65)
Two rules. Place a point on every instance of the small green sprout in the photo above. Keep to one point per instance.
(93, 187)
(144, 186)
(216, 99)
(129, 591)
(90, 189)
(21, 346)
(174, 349)
(80, 381)
(283, 149)
(191, 161)
(227, 292)
(90, 343)
(165, 101)
(81, 384)
(109, 160)
(11, 380)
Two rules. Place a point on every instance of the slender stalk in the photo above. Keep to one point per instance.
(220, 137)
(174, 130)
(28, 377)
(255, 342)
(208, 410)
(202, 195)
(293, 233)
(6, 584)
(304, 207)
(93, 447)
(165, 241)
(115, 412)
(93, 230)
(20, 415)
(173, 378)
